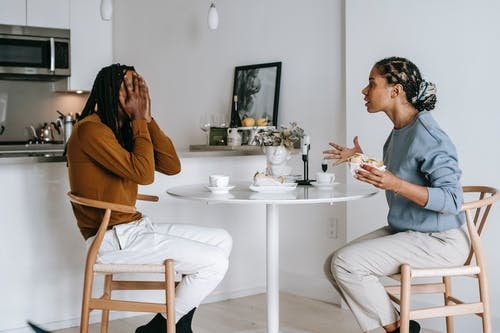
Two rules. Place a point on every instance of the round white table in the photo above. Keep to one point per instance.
(241, 194)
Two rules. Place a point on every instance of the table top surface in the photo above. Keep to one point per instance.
(242, 194)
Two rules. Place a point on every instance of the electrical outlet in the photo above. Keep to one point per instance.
(332, 227)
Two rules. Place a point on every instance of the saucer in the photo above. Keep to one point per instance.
(286, 187)
(219, 190)
(219, 196)
(323, 186)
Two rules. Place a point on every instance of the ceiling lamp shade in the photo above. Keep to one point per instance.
(213, 17)
(106, 10)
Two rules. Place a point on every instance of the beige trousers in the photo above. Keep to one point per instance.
(354, 270)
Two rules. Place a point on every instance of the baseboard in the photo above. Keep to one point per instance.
(95, 317)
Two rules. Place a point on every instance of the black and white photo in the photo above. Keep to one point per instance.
(256, 92)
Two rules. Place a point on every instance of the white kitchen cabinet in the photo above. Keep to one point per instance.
(91, 43)
(91, 37)
(13, 12)
(38, 13)
(48, 13)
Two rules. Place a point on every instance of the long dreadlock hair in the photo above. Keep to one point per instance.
(104, 100)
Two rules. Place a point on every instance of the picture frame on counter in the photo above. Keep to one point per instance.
(256, 92)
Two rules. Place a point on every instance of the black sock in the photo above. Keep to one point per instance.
(159, 324)
(414, 327)
(156, 325)
(184, 324)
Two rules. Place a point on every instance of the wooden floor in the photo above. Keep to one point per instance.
(249, 313)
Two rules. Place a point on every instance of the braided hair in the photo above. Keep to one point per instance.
(420, 93)
(104, 100)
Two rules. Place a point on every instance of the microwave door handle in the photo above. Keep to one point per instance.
(52, 55)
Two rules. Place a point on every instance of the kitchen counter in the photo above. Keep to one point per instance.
(53, 152)
(19, 158)
(242, 150)
(16, 152)
(56, 148)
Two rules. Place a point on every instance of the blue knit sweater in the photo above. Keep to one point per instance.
(422, 153)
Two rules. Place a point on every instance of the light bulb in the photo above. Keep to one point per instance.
(213, 17)
(106, 10)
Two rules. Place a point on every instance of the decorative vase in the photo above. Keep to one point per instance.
(277, 158)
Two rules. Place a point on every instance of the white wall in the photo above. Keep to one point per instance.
(190, 69)
(455, 45)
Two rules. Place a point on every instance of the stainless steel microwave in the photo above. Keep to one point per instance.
(34, 53)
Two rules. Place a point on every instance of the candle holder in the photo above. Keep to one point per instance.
(306, 146)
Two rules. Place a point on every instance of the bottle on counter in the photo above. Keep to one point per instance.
(235, 117)
(68, 126)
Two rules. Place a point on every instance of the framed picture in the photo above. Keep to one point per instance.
(256, 93)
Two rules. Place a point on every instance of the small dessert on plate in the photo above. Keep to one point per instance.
(270, 184)
(357, 159)
(261, 179)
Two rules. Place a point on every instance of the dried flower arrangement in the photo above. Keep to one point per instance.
(285, 136)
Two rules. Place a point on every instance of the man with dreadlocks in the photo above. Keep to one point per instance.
(423, 192)
(115, 146)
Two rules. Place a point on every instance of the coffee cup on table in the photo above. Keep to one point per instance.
(218, 180)
(325, 178)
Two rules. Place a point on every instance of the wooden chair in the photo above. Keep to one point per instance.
(476, 213)
(105, 302)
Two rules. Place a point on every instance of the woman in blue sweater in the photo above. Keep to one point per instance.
(423, 191)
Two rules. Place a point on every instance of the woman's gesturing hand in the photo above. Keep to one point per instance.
(340, 153)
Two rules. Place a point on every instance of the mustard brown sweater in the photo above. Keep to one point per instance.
(100, 168)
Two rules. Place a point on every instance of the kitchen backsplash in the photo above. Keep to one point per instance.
(26, 103)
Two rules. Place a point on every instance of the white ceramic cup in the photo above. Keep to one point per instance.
(325, 178)
(218, 180)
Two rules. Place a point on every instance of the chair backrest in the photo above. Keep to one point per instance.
(103, 227)
(108, 207)
(476, 214)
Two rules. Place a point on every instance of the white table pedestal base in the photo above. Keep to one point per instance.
(272, 274)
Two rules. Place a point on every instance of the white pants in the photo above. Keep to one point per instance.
(354, 269)
(199, 253)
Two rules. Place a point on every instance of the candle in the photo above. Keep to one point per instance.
(305, 145)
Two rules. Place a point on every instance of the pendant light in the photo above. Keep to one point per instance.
(213, 17)
(106, 10)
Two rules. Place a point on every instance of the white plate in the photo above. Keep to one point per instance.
(219, 190)
(287, 187)
(324, 186)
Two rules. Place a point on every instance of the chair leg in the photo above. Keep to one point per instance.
(485, 299)
(106, 295)
(170, 294)
(87, 294)
(447, 292)
(405, 299)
